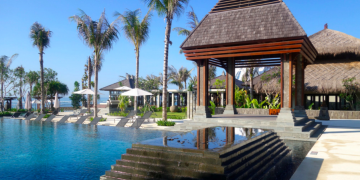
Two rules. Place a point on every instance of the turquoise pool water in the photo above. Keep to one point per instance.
(39, 150)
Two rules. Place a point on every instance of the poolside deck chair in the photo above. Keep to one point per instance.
(81, 113)
(39, 118)
(49, 119)
(95, 120)
(81, 120)
(26, 114)
(63, 119)
(29, 117)
(140, 121)
(125, 120)
(16, 115)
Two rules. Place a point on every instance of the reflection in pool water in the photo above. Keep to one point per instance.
(39, 150)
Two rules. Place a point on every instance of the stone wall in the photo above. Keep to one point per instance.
(252, 111)
(335, 114)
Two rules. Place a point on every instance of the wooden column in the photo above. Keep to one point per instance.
(202, 90)
(230, 87)
(198, 63)
(290, 79)
(282, 80)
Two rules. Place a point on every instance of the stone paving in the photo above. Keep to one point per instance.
(336, 155)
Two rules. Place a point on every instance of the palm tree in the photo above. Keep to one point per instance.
(56, 87)
(98, 35)
(20, 73)
(186, 74)
(90, 72)
(32, 77)
(5, 63)
(41, 39)
(176, 77)
(137, 33)
(169, 9)
(249, 75)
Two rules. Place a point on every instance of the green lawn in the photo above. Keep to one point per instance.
(170, 115)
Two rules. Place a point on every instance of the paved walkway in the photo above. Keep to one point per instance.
(336, 155)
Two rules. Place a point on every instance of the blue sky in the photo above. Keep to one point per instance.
(67, 53)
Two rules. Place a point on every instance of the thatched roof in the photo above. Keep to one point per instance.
(262, 22)
(320, 78)
(331, 42)
(129, 82)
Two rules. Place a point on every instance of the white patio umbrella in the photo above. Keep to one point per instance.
(85, 91)
(123, 88)
(136, 92)
(56, 102)
(28, 101)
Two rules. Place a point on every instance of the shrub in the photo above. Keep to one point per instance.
(5, 113)
(175, 117)
(120, 113)
(47, 115)
(101, 120)
(168, 109)
(160, 109)
(62, 110)
(165, 123)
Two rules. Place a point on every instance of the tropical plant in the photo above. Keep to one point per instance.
(41, 39)
(212, 107)
(311, 106)
(98, 35)
(123, 102)
(76, 98)
(137, 33)
(240, 96)
(32, 77)
(219, 84)
(351, 89)
(168, 9)
(5, 63)
(274, 103)
(247, 103)
(165, 123)
(257, 105)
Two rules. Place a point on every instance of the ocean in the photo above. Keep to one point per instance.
(64, 102)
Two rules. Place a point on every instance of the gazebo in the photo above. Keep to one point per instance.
(251, 33)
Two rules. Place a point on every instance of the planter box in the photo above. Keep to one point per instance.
(274, 111)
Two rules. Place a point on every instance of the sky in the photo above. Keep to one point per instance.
(68, 54)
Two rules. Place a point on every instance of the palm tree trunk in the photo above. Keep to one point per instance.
(96, 86)
(136, 76)
(185, 84)
(166, 56)
(42, 84)
(20, 90)
(89, 83)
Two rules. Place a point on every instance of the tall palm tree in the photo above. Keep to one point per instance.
(90, 72)
(137, 33)
(41, 39)
(98, 35)
(169, 9)
(5, 63)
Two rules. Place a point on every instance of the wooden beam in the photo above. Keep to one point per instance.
(295, 46)
(244, 46)
(259, 63)
(258, 66)
(279, 59)
(246, 54)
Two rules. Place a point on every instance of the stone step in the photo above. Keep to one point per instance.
(170, 162)
(104, 177)
(167, 173)
(280, 160)
(313, 129)
(177, 156)
(253, 155)
(253, 165)
(125, 175)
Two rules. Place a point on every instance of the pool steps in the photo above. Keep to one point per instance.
(251, 159)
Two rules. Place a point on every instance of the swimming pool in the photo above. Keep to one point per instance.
(39, 150)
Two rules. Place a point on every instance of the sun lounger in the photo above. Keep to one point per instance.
(39, 118)
(140, 121)
(95, 120)
(26, 114)
(49, 119)
(125, 120)
(29, 117)
(81, 113)
(81, 120)
(16, 114)
(63, 119)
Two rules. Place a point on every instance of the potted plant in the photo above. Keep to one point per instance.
(274, 105)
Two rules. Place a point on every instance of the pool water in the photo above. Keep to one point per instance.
(45, 150)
